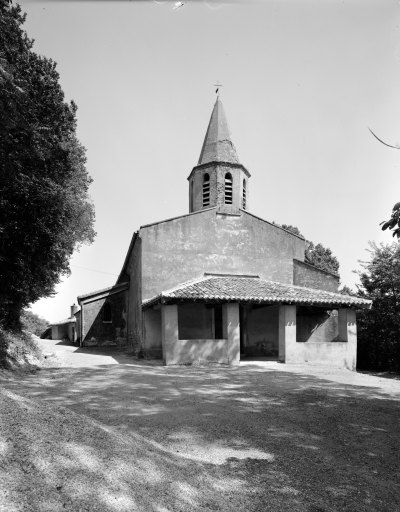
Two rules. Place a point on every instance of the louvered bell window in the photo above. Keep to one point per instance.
(228, 188)
(206, 190)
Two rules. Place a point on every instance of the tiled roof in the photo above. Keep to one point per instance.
(111, 289)
(66, 321)
(253, 289)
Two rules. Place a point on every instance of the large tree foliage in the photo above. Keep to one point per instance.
(317, 255)
(379, 328)
(45, 211)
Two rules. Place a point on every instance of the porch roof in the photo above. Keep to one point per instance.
(252, 289)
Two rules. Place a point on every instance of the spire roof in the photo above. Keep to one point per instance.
(217, 145)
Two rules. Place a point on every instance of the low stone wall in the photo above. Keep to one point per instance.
(199, 352)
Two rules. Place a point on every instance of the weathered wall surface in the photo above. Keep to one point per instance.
(96, 331)
(310, 277)
(134, 269)
(152, 335)
(181, 249)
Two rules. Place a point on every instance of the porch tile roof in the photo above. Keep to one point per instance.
(252, 289)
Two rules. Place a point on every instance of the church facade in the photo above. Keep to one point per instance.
(219, 284)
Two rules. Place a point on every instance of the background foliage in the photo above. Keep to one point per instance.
(317, 255)
(33, 323)
(379, 329)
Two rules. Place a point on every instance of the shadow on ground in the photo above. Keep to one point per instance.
(243, 438)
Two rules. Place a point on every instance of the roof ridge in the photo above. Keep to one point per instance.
(223, 274)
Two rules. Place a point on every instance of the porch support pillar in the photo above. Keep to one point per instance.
(287, 333)
(169, 331)
(231, 331)
(348, 332)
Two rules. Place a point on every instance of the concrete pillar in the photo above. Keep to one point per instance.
(348, 332)
(169, 331)
(231, 330)
(287, 334)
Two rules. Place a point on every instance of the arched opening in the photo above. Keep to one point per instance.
(107, 313)
(228, 188)
(244, 195)
(206, 189)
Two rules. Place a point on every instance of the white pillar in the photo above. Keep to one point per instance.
(231, 331)
(287, 334)
(169, 331)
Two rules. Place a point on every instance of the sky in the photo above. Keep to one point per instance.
(302, 81)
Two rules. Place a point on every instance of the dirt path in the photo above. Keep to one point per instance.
(263, 436)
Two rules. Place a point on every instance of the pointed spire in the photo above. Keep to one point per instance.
(217, 145)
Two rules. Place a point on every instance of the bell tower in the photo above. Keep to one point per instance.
(218, 179)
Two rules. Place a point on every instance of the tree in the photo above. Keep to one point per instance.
(379, 328)
(45, 209)
(33, 323)
(346, 290)
(317, 255)
(394, 222)
(321, 257)
(292, 229)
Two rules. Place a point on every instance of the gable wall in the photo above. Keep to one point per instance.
(97, 332)
(182, 249)
(311, 277)
(133, 269)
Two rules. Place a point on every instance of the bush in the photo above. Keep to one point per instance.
(18, 349)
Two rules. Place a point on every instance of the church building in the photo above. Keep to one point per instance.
(219, 284)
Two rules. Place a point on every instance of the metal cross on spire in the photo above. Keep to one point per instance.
(217, 85)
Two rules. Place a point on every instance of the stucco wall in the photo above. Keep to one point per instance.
(198, 351)
(311, 277)
(96, 331)
(181, 249)
(152, 335)
(338, 354)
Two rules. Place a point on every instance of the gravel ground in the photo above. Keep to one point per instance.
(130, 435)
